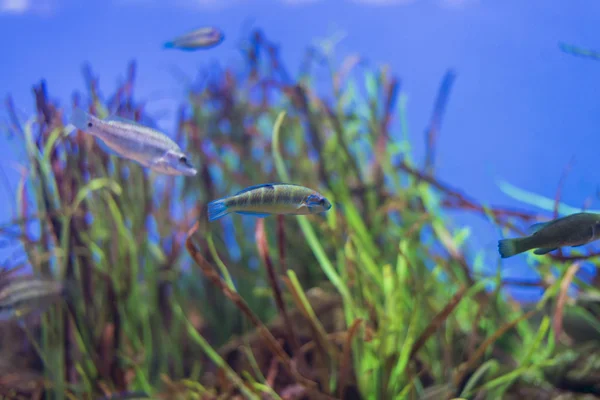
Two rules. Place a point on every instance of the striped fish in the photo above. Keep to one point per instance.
(203, 38)
(23, 295)
(270, 198)
(129, 139)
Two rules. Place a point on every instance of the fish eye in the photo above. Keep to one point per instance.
(322, 202)
(183, 159)
(89, 124)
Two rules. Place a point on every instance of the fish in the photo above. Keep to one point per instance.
(203, 38)
(573, 230)
(129, 139)
(270, 198)
(579, 51)
(24, 295)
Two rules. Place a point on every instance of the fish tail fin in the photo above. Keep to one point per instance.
(510, 247)
(217, 209)
(80, 119)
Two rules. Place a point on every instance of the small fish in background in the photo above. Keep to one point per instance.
(579, 51)
(203, 38)
(270, 198)
(573, 230)
(149, 147)
(24, 295)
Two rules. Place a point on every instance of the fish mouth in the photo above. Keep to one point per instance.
(189, 165)
(187, 168)
(189, 171)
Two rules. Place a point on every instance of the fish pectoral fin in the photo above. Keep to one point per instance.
(158, 161)
(22, 312)
(254, 214)
(301, 207)
(543, 251)
(153, 163)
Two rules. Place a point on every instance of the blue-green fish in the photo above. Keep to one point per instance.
(573, 230)
(270, 198)
(24, 295)
(203, 38)
(129, 139)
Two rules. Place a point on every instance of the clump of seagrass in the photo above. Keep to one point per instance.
(375, 300)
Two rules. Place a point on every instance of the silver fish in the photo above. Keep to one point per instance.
(203, 38)
(270, 198)
(149, 147)
(24, 295)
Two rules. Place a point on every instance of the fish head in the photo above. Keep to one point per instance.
(210, 36)
(174, 163)
(203, 38)
(317, 203)
(217, 35)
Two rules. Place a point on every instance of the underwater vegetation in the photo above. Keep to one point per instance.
(377, 298)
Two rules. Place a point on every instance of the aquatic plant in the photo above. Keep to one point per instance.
(378, 299)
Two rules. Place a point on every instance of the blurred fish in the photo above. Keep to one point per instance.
(573, 230)
(579, 51)
(270, 198)
(203, 38)
(147, 146)
(24, 295)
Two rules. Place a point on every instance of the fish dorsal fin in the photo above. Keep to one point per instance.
(270, 186)
(116, 118)
(537, 227)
